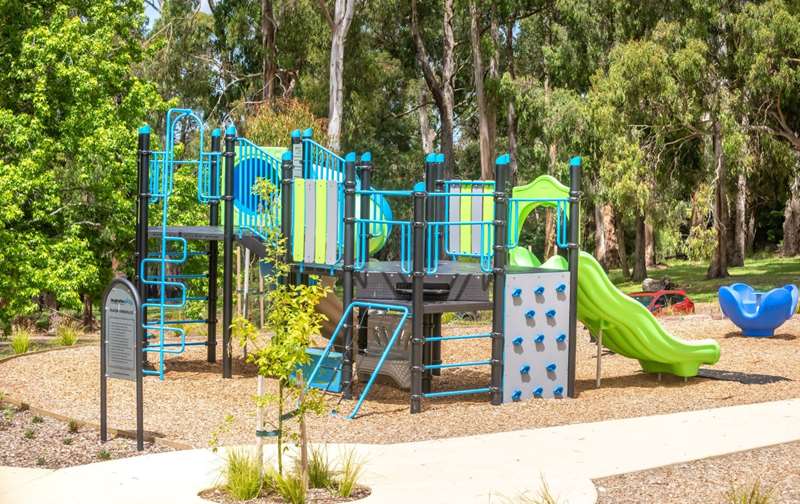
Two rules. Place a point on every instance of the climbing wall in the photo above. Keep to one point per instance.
(536, 331)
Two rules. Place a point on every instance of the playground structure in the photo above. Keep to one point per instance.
(461, 240)
(758, 313)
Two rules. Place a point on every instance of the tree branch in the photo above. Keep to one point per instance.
(326, 14)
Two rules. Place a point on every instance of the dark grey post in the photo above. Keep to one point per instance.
(417, 306)
(440, 217)
(574, 253)
(286, 203)
(430, 350)
(142, 219)
(227, 274)
(364, 172)
(499, 273)
(347, 272)
(213, 251)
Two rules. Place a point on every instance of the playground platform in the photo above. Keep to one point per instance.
(490, 468)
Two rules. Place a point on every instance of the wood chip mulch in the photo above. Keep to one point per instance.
(193, 400)
(775, 468)
(29, 440)
(314, 496)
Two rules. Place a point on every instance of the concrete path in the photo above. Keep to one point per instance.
(481, 469)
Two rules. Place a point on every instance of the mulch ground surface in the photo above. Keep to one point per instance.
(774, 468)
(194, 400)
(315, 496)
(28, 440)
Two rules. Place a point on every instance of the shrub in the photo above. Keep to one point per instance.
(20, 340)
(29, 434)
(40, 461)
(37, 419)
(242, 474)
(67, 334)
(72, 426)
(291, 488)
(320, 472)
(67, 441)
(104, 455)
(349, 474)
(753, 493)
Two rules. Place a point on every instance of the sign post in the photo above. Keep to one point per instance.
(121, 348)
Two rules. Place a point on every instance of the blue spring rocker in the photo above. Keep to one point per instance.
(758, 313)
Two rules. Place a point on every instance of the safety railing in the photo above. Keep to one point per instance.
(404, 314)
(365, 226)
(561, 207)
(320, 162)
(255, 213)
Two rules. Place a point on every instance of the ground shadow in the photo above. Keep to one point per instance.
(781, 336)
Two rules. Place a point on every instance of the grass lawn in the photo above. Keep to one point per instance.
(761, 273)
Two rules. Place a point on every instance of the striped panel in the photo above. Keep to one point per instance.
(310, 220)
(476, 204)
(332, 222)
(488, 216)
(298, 219)
(320, 231)
(465, 204)
(454, 211)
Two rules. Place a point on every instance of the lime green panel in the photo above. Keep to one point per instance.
(520, 256)
(465, 208)
(298, 222)
(629, 329)
(320, 223)
(543, 187)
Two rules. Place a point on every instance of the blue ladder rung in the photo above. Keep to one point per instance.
(448, 393)
(154, 348)
(179, 276)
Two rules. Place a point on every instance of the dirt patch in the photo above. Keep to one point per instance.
(193, 400)
(708, 480)
(315, 495)
(29, 440)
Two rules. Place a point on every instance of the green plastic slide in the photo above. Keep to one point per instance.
(629, 329)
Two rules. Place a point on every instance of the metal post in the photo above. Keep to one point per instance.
(427, 353)
(142, 219)
(364, 172)
(287, 170)
(499, 274)
(227, 275)
(296, 155)
(213, 250)
(347, 272)
(434, 211)
(574, 219)
(599, 355)
(308, 133)
(439, 206)
(417, 301)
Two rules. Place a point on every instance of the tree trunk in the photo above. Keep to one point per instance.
(88, 317)
(606, 245)
(650, 244)
(549, 221)
(791, 218)
(740, 222)
(342, 17)
(751, 231)
(600, 251)
(487, 116)
(269, 63)
(427, 134)
(719, 261)
(640, 264)
(511, 119)
(621, 247)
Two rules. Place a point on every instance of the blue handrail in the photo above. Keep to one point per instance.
(345, 316)
(319, 162)
(254, 213)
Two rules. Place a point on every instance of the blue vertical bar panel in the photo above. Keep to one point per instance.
(332, 223)
(311, 220)
(453, 229)
(476, 204)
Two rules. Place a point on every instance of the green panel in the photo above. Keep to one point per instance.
(465, 204)
(544, 186)
(629, 329)
(320, 223)
(488, 215)
(299, 217)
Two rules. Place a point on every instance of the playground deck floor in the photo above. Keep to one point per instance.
(194, 400)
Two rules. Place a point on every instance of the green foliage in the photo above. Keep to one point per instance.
(104, 454)
(67, 441)
(37, 419)
(272, 125)
(20, 340)
(320, 471)
(290, 487)
(754, 493)
(69, 107)
(72, 426)
(67, 333)
(29, 434)
(242, 474)
(40, 461)
(349, 473)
